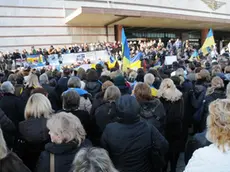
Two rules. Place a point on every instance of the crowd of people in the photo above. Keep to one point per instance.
(108, 120)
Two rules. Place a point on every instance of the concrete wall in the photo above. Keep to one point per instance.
(41, 22)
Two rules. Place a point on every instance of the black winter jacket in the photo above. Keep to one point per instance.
(132, 140)
(63, 156)
(93, 87)
(8, 129)
(11, 163)
(13, 107)
(153, 112)
(34, 135)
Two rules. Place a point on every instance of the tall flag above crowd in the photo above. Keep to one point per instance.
(209, 42)
(128, 62)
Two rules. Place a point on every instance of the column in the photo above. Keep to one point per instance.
(118, 31)
(204, 33)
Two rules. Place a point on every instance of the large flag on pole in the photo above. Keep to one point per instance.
(209, 42)
(125, 51)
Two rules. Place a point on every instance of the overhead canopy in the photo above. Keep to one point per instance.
(89, 16)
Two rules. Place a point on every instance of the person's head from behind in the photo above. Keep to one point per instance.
(74, 82)
(112, 93)
(218, 123)
(53, 82)
(19, 79)
(66, 72)
(149, 79)
(132, 76)
(38, 106)
(227, 69)
(92, 75)
(169, 91)
(65, 127)
(142, 92)
(3, 148)
(32, 81)
(7, 87)
(93, 160)
(12, 79)
(44, 79)
(70, 100)
(81, 73)
(204, 75)
(105, 85)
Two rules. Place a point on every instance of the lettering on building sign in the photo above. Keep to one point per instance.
(213, 4)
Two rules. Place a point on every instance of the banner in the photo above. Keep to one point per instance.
(35, 60)
(54, 60)
(170, 59)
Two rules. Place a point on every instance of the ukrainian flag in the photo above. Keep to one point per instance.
(209, 42)
(112, 62)
(125, 51)
(135, 62)
(194, 55)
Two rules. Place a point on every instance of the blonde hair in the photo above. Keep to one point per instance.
(227, 69)
(216, 82)
(3, 148)
(67, 126)
(38, 105)
(32, 81)
(169, 91)
(180, 74)
(218, 123)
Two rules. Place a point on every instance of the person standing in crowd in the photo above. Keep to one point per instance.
(70, 104)
(216, 156)
(74, 83)
(149, 80)
(62, 82)
(67, 138)
(30, 84)
(9, 161)
(93, 159)
(139, 140)
(93, 86)
(152, 110)
(105, 113)
(12, 105)
(173, 102)
(33, 132)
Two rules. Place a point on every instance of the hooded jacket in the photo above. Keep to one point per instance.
(33, 135)
(85, 103)
(93, 87)
(63, 156)
(130, 141)
(153, 112)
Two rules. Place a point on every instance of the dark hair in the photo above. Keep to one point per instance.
(140, 71)
(192, 66)
(19, 79)
(92, 75)
(104, 78)
(176, 80)
(53, 82)
(71, 100)
(140, 77)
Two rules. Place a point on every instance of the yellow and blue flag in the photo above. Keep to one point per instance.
(209, 42)
(195, 54)
(125, 51)
(112, 62)
(135, 62)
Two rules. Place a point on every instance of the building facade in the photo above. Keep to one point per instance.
(42, 23)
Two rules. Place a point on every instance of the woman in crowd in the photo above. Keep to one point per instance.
(33, 131)
(74, 83)
(106, 112)
(8, 129)
(216, 156)
(9, 161)
(67, 138)
(93, 86)
(216, 91)
(152, 110)
(93, 159)
(70, 104)
(11, 104)
(172, 100)
(149, 80)
(31, 83)
(130, 141)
